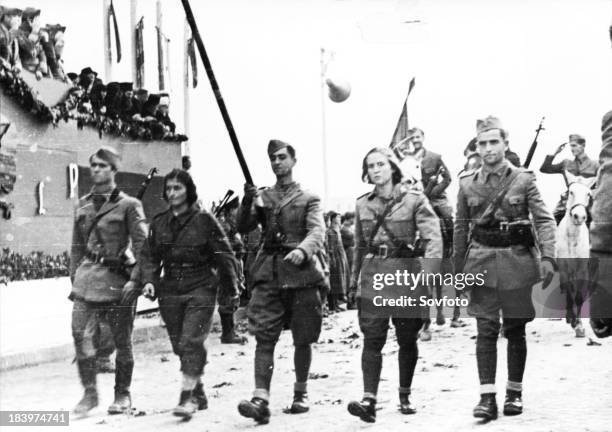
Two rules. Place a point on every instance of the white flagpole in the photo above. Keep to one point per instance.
(186, 89)
(108, 54)
(160, 53)
(324, 131)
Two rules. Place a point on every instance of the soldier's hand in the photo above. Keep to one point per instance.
(560, 148)
(351, 296)
(149, 291)
(548, 272)
(250, 191)
(129, 293)
(295, 257)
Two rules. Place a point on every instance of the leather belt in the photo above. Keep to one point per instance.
(505, 235)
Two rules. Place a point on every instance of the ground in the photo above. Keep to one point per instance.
(566, 386)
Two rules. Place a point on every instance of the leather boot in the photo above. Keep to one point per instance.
(365, 410)
(300, 403)
(513, 404)
(487, 407)
(405, 406)
(121, 404)
(228, 335)
(200, 396)
(187, 405)
(87, 373)
(256, 408)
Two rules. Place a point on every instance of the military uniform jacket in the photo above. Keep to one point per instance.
(430, 164)
(297, 216)
(601, 212)
(9, 47)
(410, 214)
(121, 225)
(584, 166)
(508, 268)
(32, 55)
(192, 249)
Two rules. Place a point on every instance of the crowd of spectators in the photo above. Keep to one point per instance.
(114, 108)
(36, 265)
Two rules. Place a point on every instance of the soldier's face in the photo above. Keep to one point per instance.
(417, 141)
(379, 169)
(282, 163)
(14, 22)
(176, 192)
(577, 149)
(101, 171)
(491, 147)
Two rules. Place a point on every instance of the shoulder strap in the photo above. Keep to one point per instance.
(498, 196)
(380, 220)
(182, 227)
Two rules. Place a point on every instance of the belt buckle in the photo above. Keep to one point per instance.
(383, 250)
(503, 226)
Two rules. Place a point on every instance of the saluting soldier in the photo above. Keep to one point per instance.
(493, 236)
(188, 243)
(582, 165)
(287, 276)
(387, 221)
(109, 231)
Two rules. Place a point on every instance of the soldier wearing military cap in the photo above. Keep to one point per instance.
(387, 222)
(10, 21)
(287, 277)
(581, 165)
(493, 236)
(109, 232)
(188, 243)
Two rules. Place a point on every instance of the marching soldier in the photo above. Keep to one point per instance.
(601, 237)
(188, 243)
(581, 165)
(109, 231)
(287, 276)
(387, 221)
(493, 236)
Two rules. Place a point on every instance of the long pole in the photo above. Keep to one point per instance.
(186, 87)
(133, 20)
(324, 130)
(216, 91)
(160, 46)
(108, 52)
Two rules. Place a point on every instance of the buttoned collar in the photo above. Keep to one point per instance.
(485, 172)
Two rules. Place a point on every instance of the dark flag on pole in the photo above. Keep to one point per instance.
(160, 58)
(401, 130)
(111, 14)
(193, 60)
(140, 75)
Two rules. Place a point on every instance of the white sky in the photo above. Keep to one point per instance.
(516, 59)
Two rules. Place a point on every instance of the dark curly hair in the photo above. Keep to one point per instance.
(182, 177)
(396, 172)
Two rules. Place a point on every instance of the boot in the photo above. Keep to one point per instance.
(425, 335)
(487, 407)
(228, 335)
(187, 405)
(457, 323)
(405, 405)
(200, 396)
(579, 329)
(365, 410)
(87, 373)
(513, 405)
(256, 408)
(88, 402)
(440, 320)
(105, 365)
(121, 404)
(300, 403)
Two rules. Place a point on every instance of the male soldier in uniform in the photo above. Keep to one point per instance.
(493, 237)
(287, 277)
(581, 165)
(10, 20)
(601, 237)
(109, 231)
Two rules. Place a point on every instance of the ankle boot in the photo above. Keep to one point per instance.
(487, 407)
(513, 404)
(256, 408)
(200, 396)
(365, 410)
(228, 334)
(405, 406)
(121, 404)
(187, 405)
(88, 402)
(300, 403)
(87, 373)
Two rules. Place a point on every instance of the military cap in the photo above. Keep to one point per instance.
(126, 86)
(109, 155)
(54, 28)
(30, 13)
(275, 145)
(577, 139)
(72, 76)
(7, 11)
(153, 99)
(488, 123)
(164, 99)
(88, 70)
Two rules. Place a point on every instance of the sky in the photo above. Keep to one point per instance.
(519, 60)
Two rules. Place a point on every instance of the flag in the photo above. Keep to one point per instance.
(111, 14)
(401, 130)
(140, 73)
(193, 60)
(160, 57)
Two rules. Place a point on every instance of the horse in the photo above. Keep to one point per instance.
(573, 248)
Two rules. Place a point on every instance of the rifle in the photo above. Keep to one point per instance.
(223, 202)
(145, 183)
(534, 144)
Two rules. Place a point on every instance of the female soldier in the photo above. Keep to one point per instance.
(386, 224)
(188, 243)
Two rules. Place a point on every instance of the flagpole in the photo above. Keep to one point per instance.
(133, 19)
(186, 120)
(108, 53)
(160, 46)
(324, 132)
